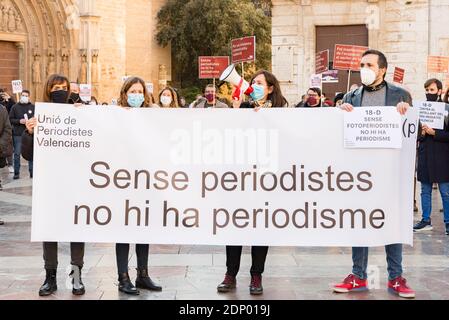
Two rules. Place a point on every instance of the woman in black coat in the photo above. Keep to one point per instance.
(56, 90)
(267, 94)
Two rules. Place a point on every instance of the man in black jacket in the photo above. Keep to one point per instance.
(433, 159)
(18, 115)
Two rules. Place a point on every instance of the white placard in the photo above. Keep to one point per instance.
(373, 127)
(432, 113)
(16, 86)
(184, 176)
(85, 92)
(315, 81)
(150, 87)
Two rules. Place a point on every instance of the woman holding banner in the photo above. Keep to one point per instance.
(134, 94)
(266, 94)
(56, 90)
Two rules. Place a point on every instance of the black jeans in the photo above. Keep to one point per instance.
(122, 253)
(51, 254)
(233, 254)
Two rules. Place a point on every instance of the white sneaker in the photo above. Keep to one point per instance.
(11, 169)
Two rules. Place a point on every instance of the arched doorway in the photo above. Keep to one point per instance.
(42, 33)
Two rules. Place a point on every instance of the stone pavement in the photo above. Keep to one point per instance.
(193, 272)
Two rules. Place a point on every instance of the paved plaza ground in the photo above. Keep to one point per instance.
(193, 272)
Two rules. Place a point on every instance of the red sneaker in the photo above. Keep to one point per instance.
(399, 286)
(351, 283)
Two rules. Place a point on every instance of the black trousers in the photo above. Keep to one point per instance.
(51, 254)
(122, 253)
(258, 255)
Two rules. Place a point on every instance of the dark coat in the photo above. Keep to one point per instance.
(6, 148)
(433, 156)
(17, 113)
(394, 96)
(27, 146)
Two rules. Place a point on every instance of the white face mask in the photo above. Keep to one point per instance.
(368, 76)
(166, 100)
(24, 100)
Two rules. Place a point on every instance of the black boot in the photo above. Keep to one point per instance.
(125, 285)
(143, 281)
(229, 283)
(49, 285)
(255, 287)
(77, 283)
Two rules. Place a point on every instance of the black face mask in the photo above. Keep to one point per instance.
(434, 97)
(59, 96)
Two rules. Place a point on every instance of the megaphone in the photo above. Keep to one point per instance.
(241, 85)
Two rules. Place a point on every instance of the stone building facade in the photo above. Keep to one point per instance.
(91, 41)
(406, 31)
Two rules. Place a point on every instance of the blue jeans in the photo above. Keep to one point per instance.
(394, 261)
(17, 140)
(426, 200)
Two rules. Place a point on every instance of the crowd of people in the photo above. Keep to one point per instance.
(433, 159)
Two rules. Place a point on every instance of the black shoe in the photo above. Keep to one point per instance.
(255, 287)
(77, 283)
(229, 283)
(16, 176)
(143, 281)
(447, 229)
(31, 176)
(423, 225)
(2, 222)
(415, 208)
(49, 285)
(125, 285)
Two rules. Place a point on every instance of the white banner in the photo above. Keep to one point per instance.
(274, 177)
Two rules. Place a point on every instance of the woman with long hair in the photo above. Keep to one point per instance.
(134, 94)
(267, 94)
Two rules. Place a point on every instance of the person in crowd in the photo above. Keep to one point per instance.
(302, 102)
(267, 94)
(325, 101)
(313, 98)
(7, 101)
(183, 103)
(6, 146)
(433, 160)
(5, 141)
(197, 99)
(376, 92)
(338, 100)
(168, 98)
(210, 99)
(134, 94)
(19, 114)
(56, 90)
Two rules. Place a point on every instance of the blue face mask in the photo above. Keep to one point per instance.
(258, 92)
(135, 100)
